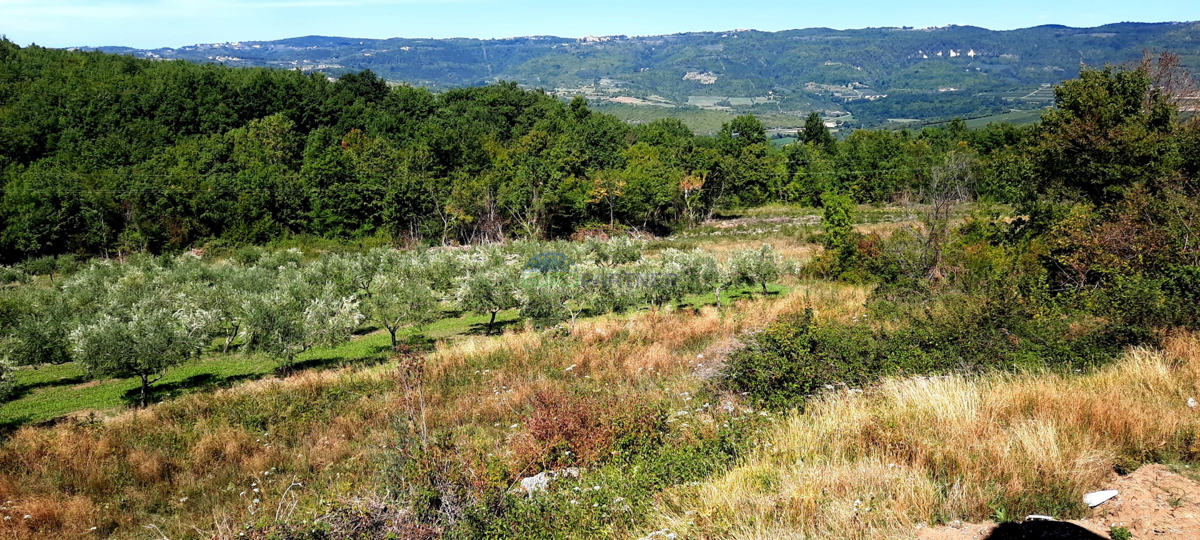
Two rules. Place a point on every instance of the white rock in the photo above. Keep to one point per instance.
(1097, 498)
(541, 481)
(1039, 517)
(537, 482)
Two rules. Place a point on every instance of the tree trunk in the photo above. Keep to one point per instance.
(229, 338)
(145, 388)
(392, 330)
(764, 286)
(717, 293)
(490, 323)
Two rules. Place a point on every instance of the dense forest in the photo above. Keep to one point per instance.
(104, 154)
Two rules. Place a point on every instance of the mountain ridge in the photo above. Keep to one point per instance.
(866, 76)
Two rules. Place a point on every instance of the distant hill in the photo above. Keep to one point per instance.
(864, 77)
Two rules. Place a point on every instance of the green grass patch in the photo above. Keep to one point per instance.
(49, 392)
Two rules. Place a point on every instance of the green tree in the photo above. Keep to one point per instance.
(838, 219)
(398, 301)
(1110, 130)
(489, 291)
(142, 341)
(816, 134)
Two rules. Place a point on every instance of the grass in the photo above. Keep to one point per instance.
(190, 466)
(930, 450)
(48, 392)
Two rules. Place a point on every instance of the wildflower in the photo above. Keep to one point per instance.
(1192, 402)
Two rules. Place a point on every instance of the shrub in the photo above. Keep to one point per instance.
(614, 499)
(797, 356)
(566, 429)
(41, 266)
(10, 274)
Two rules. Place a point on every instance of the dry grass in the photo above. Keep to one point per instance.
(913, 451)
(190, 466)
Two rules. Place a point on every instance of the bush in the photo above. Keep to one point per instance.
(615, 498)
(566, 429)
(10, 275)
(41, 266)
(797, 357)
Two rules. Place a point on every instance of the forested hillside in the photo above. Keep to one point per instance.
(106, 154)
(873, 74)
(854, 371)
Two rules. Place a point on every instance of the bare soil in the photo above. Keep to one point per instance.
(1152, 502)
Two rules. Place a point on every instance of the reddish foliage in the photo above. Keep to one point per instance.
(567, 429)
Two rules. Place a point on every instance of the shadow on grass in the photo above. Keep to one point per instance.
(202, 381)
(23, 390)
(481, 328)
(9, 426)
(375, 355)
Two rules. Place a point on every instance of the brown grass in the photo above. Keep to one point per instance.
(190, 466)
(912, 451)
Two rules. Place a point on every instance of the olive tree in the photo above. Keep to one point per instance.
(658, 281)
(400, 300)
(606, 290)
(36, 331)
(616, 251)
(547, 298)
(283, 324)
(699, 272)
(142, 340)
(756, 266)
(489, 291)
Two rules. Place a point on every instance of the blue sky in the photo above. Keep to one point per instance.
(173, 23)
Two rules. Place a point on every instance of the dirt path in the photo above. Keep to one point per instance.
(1153, 503)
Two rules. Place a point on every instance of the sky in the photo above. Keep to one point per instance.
(174, 23)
